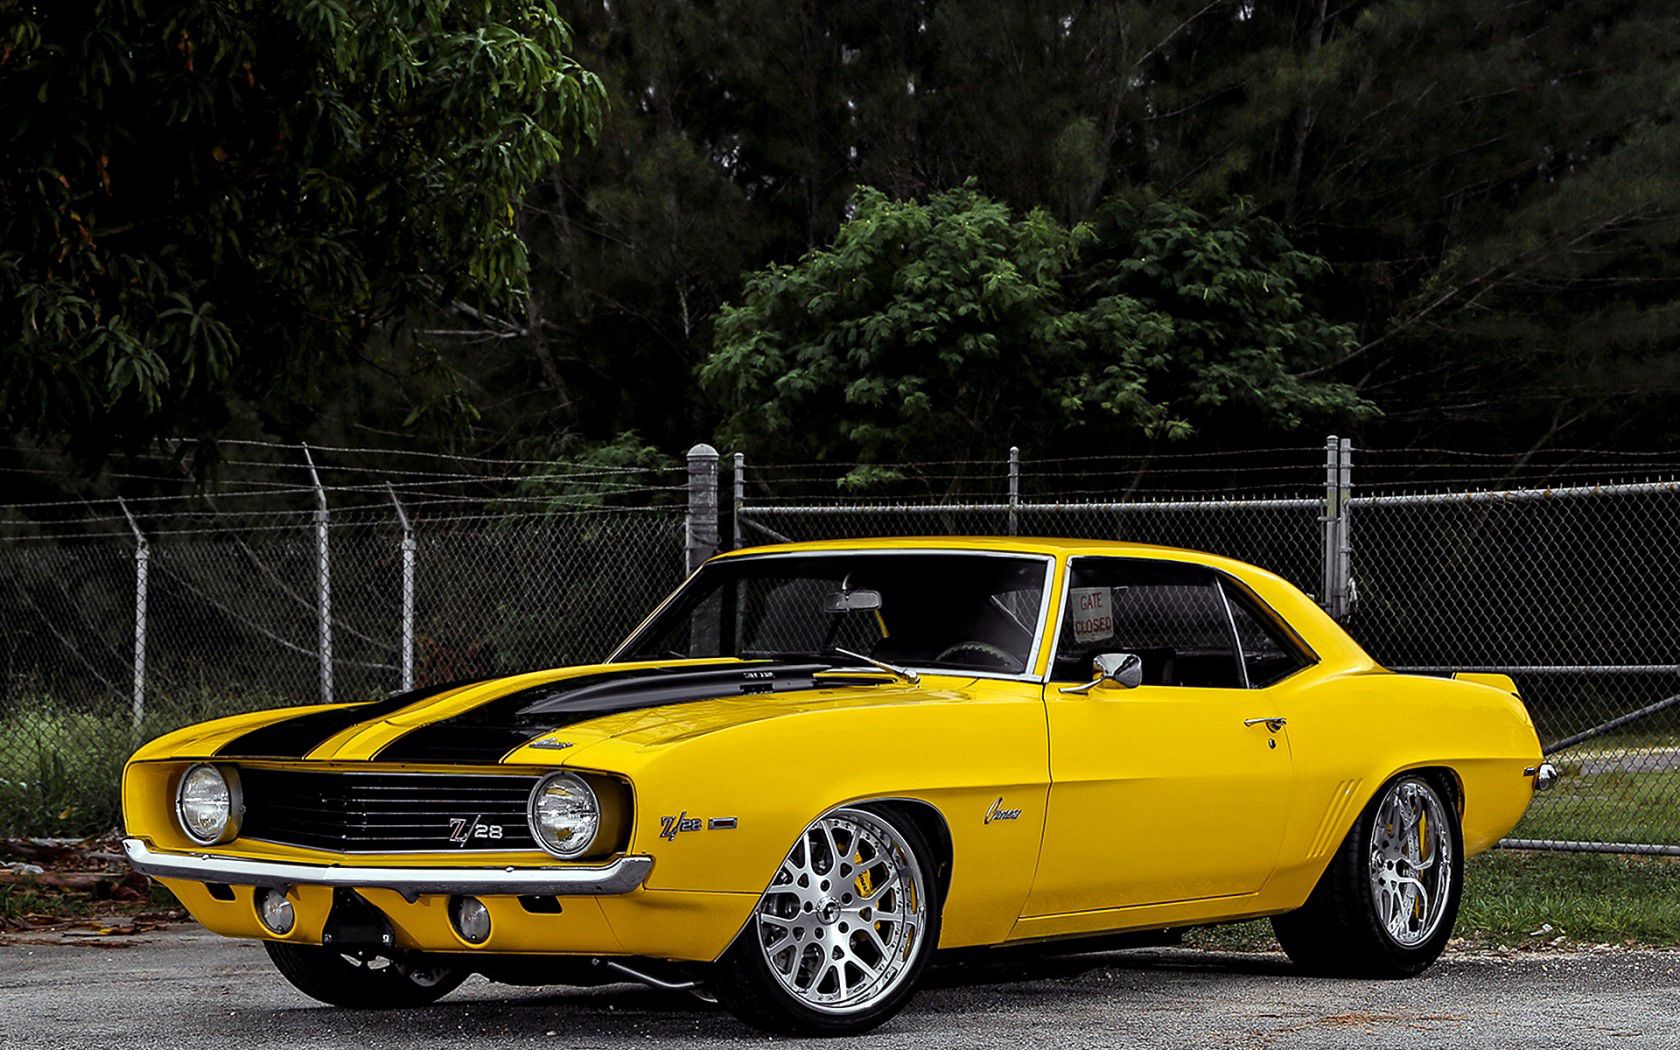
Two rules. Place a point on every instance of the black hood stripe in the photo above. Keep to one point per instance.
(297, 736)
(488, 732)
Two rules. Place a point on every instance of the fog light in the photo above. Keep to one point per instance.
(471, 919)
(275, 910)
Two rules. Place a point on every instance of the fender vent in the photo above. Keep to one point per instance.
(1326, 839)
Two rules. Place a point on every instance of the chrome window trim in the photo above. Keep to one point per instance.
(1061, 615)
(1231, 625)
(1292, 638)
(618, 876)
(1033, 650)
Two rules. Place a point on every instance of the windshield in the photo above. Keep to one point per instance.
(939, 611)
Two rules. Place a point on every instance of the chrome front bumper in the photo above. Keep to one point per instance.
(613, 878)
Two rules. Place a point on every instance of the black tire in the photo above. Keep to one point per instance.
(383, 984)
(1339, 931)
(745, 984)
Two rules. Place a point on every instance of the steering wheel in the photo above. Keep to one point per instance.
(1010, 662)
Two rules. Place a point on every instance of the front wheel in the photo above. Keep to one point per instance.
(1386, 905)
(377, 983)
(839, 941)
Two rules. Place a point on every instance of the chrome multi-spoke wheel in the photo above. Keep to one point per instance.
(844, 930)
(1411, 862)
(842, 920)
(1387, 900)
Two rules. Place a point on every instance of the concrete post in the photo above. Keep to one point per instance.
(701, 525)
(1344, 538)
(740, 497)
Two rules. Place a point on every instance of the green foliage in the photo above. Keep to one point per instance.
(205, 201)
(580, 474)
(947, 328)
(1492, 181)
(62, 772)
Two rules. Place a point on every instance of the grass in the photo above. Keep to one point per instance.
(26, 897)
(61, 767)
(1612, 806)
(1518, 898)
(61, 770)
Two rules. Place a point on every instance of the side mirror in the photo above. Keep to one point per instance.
(1111, 671)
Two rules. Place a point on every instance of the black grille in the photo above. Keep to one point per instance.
(380, 812)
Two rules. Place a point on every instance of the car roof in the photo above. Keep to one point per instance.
(1054, 545)
(1297, 609)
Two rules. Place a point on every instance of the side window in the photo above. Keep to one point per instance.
(1270, 654)
(1170, 615)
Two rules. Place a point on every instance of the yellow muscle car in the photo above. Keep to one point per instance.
(817, 763)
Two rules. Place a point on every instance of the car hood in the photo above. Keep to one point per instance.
(550, 716)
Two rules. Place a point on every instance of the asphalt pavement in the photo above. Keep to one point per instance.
(185, 988)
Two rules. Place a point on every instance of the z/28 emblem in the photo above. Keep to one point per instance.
(462, 831)
(671, 827)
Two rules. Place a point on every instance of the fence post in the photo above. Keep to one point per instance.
(1014, 489)
(407, 591)
(740, 497)
(1331, 523)
(142, 558)
(323, 582)
(701, 524)
(1344, 530)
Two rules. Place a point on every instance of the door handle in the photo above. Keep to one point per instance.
(1274, 723)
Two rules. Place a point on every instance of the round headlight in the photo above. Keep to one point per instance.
(564, 814)
(207, 804)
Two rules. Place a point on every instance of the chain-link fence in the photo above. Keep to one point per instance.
(135, 617)
(122, 619)
(1567, 587)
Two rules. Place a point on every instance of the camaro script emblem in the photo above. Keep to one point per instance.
(461, 830)
(997, 812)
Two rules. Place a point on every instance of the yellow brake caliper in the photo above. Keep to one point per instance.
(1423, 844)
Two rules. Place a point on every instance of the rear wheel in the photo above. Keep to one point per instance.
(1387, 903)
(375, 983)
(841, 938)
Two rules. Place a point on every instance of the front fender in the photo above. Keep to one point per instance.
(719, 811)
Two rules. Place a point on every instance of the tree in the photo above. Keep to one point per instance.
(949, 328)
(208, 205)
(1492, 180)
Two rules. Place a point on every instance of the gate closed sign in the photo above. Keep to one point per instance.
(1093, 618)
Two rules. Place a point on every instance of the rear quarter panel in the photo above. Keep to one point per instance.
(1350, 733)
